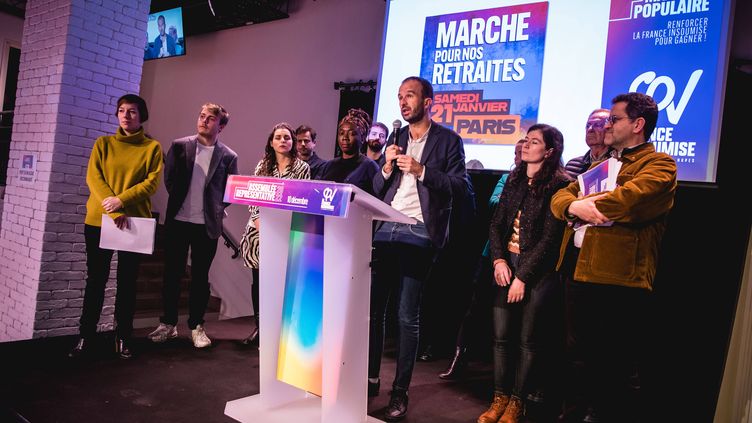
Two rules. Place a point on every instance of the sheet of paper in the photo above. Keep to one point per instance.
(600, 178)
(138, 238)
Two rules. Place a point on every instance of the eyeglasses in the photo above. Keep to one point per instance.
(596, 124)
(613, 119)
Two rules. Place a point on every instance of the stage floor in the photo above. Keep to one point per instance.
(175, 382)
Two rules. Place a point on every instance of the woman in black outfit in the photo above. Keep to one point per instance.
(525, 239)
(352, 167)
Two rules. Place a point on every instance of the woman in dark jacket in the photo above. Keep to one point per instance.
(524, 238)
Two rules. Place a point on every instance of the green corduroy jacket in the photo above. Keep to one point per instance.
(625, 253)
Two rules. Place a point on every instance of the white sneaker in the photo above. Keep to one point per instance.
(200, 340)
(163, 332)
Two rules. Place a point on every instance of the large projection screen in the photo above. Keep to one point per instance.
(500, 66)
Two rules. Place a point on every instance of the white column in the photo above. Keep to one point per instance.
(77, 58)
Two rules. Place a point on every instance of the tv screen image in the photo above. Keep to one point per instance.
(164, 34)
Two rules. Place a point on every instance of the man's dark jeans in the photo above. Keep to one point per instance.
(178, 237)
(403, 257)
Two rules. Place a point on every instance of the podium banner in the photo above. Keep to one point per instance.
(304, 196)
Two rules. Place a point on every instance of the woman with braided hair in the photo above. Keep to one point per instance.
(352, 167)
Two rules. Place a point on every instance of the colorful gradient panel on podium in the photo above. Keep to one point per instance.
(300, 348)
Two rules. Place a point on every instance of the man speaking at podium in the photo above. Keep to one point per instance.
(423, 177)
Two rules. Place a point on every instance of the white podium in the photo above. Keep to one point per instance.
(316, 245)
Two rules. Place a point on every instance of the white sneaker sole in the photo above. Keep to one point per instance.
(202, 346)
(160, 339)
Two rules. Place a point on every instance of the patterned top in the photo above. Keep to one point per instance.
(514, 239)
(249, 244)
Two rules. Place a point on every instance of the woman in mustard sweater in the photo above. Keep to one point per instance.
(122, 176)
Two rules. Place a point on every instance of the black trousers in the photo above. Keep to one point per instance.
(98, 272)
(179, 236)
(255, 293)
(523, 335)
(607, 332)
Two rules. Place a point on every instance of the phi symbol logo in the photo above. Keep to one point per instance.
(329, 194)
(326, 202)
(673, 111)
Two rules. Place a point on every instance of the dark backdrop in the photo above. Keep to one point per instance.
(700, 273)
(353, 98)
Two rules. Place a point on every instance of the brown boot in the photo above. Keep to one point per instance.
(513, 413)
(496, 410)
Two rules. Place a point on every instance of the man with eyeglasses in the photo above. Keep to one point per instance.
(594, 133)
(306, 139)
(374, 145)
(609, 276)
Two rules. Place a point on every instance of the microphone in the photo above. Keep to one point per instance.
(396, 125)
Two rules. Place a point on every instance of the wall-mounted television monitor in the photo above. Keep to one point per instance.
(165, 36)
(500, 66)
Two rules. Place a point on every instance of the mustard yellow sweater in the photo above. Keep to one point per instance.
(126, 166)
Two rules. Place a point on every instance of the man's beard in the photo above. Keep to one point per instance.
(375, 147)
(417, 117)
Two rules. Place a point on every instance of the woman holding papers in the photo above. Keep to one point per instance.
(524, 238)
(280, 161)
(122, 175)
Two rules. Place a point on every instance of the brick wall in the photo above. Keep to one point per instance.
(77, 58)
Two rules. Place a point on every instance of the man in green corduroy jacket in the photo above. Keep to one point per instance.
(609, 269)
